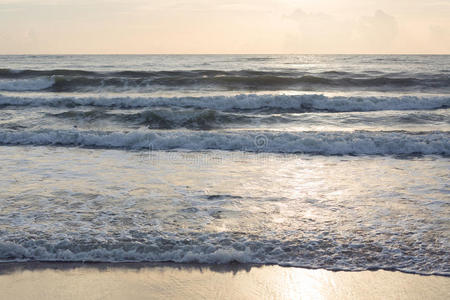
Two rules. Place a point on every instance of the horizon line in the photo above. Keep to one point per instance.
(68, 53)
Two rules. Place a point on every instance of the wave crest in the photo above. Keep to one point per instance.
(243, 102)
(162, 118)
(322, 143)
(80, 80)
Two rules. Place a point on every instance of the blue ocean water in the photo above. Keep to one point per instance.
(323, 161)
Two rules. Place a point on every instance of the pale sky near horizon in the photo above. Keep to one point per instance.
(224, 26)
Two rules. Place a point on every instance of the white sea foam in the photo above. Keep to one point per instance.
(324, 143)
(291, 103)
(210, 250)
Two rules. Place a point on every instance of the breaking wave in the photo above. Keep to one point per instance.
(322, 143)
(66, 80)
(222, 248)
(166, 118)
(207, 119)
(243, 102)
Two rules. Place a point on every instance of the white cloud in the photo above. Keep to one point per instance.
(378, 31)
(218, 26)
(440, 37)
(321, 32)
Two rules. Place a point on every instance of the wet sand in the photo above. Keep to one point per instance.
(189, 281)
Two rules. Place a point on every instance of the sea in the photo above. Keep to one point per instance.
(339, 162)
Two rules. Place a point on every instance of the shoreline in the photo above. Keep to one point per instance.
(72, 280)
(14, 266)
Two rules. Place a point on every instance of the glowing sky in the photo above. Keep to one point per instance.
(224, 26)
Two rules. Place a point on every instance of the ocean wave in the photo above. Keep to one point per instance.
(231, 82)
(31, 84)
(243, 102)
(223, 248)
(321, 143)
(10, 73)
(167, 118)
(66, 80)
(207, 119)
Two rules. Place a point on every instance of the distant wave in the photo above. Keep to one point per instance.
(80, 80)
(244, 102)
(323, 143)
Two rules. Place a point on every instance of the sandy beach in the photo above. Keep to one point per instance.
(181, 281)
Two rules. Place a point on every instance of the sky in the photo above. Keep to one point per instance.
(224, 26)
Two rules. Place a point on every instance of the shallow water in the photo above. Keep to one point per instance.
(349, 213)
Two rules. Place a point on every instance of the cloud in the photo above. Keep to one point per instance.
(225, 26)
(324, 33)
(302, 17)
(379, 30)
(440, 37)
(316, 31)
